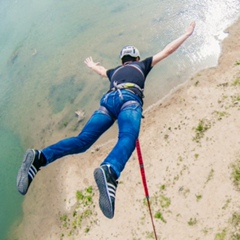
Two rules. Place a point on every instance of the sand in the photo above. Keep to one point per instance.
(190, 144)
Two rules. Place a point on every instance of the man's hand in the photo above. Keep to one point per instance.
(190, 29)
(102, 71)
(90, 63)
(174, 45)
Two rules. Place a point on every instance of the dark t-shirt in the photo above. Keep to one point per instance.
(133, 72)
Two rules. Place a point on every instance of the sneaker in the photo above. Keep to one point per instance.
(30, 166)
(107, 185)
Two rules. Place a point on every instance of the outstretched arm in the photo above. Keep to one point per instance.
(102, 71)
(173, 46)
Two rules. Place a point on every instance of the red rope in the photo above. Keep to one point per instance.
(141, 165)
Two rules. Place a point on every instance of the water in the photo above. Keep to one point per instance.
(43, 79)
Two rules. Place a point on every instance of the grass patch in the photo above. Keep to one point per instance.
(159, 204)
(163, 187)
(82, 216)
(165, 202)
(192, 221)
(221, 236)
(201, 128)
(236, 82)
(226, 204)
(236, 224)
(236, 236)
(220, 115)
(198, 197)
(196, 155)
(237, 63)
(236, 220)
(158, 215)
(210, 176)
(236, 174)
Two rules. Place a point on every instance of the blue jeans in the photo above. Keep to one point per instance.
(129, 121)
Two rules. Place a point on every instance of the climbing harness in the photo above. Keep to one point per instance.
(126, 86)
(140, 159)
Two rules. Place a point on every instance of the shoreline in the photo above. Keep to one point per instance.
(182, 168)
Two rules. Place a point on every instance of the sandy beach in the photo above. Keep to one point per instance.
(190, 143)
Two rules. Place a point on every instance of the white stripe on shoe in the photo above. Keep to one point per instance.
(32, 172)
(111, 190)
(27, 172)
(107, 190)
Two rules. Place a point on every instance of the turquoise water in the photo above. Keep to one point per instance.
(10, 200)
(43, 79)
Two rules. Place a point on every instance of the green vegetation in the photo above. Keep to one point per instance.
(82, 215)
(149, 235)
(85, 198)
(236, 220)
(220, 115)
(198, 197)
(226, 204)
(196, 83)
(236, 236)
(158, 215)
(221, 235)
(157, 201)
(237, 98)
(202, 127)
(210, 176)
(163, 187)
(196, 155)
(223, 84)
(192, 221)
(236, 82)
(236, 174)
(165, 202)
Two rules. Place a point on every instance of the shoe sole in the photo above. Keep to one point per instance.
(104, 198)
(22, 177)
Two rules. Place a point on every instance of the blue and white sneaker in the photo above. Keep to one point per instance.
(30, 166)
(107, 185)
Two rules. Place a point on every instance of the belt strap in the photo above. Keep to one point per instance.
(125, 86)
